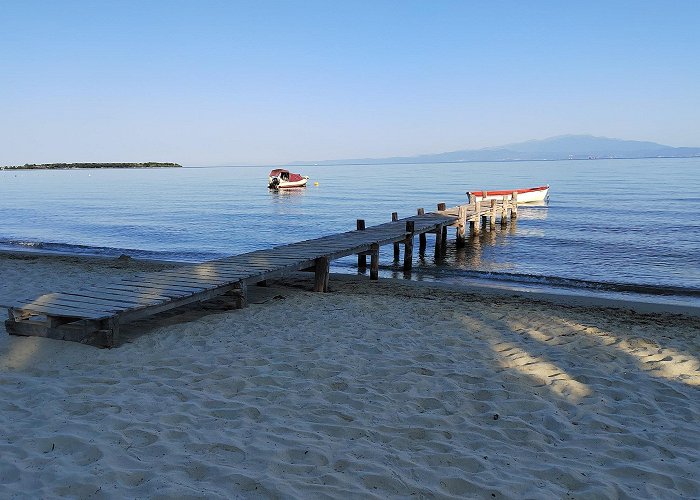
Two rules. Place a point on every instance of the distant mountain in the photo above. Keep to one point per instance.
(565, 147)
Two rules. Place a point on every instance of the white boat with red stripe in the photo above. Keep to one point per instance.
(280, 178)
(527, 195)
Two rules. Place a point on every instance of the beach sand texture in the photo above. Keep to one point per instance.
(374, 390)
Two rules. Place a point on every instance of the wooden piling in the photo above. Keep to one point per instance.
(321, 274)
(461, 225)
(408, 246)
(394, 218)
(438, 241)
(422, 243)
(504, 212)
(514, 206)
(492, 215)
(374, 262)
(442, 235)
(476, 223)
(361, 258)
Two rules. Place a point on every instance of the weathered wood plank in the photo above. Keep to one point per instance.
(161, 290)
(164, 280)
(56, 300)
(141, 294)
(96, 301)
(64, 311)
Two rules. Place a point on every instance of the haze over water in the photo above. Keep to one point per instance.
(629, 225)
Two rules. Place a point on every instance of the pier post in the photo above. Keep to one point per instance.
(492, 215)
(443, 233)
(461, 225)
(514, 206)
(374, 261)
(475, 224)
(408, 246)
(504, 212)
(361, 258)
(394, 218)
(421, 237)
(321, 274)
(239, 296)
(484, 218)
(438, 241)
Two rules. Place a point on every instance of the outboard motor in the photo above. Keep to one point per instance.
(274, 183)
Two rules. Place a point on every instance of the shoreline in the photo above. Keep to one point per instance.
(559, 296)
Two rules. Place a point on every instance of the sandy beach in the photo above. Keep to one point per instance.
(377, 390)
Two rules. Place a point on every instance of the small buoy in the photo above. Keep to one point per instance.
(316, 183)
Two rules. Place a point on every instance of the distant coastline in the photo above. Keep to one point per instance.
(331, 163)
(67, 166)
(566, 147)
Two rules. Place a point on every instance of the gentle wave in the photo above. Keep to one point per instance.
(559, 282)
(455, 274)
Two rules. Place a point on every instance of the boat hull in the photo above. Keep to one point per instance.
(289, 184)
(531, 195)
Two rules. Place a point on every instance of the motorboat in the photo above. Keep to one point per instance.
(280, 178)
(528, 195)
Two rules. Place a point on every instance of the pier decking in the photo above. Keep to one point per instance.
(92, 314)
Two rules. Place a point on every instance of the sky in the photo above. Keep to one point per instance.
(206, 82)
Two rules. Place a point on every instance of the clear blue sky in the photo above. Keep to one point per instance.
(253, 82)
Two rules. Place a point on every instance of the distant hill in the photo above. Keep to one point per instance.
(565, 147)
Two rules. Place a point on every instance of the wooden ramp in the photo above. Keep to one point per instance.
(92, 314)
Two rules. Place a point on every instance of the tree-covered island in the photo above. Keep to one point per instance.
(65, 166)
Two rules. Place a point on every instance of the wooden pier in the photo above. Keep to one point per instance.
(92, 314)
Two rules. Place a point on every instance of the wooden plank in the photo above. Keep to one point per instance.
(130, 298)
(182, 278)
(164, 290)
(51, 299)
(63, 311)
(141, 294)
(180, 282)
(54, 300)
(249, 265)
(96, 301)
(222, 267)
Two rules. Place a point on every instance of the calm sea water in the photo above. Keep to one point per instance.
(618, 225)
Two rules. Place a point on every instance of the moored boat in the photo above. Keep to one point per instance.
(526, 195)
(280, 178)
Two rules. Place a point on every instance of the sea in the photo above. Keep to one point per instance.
(612, 227)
